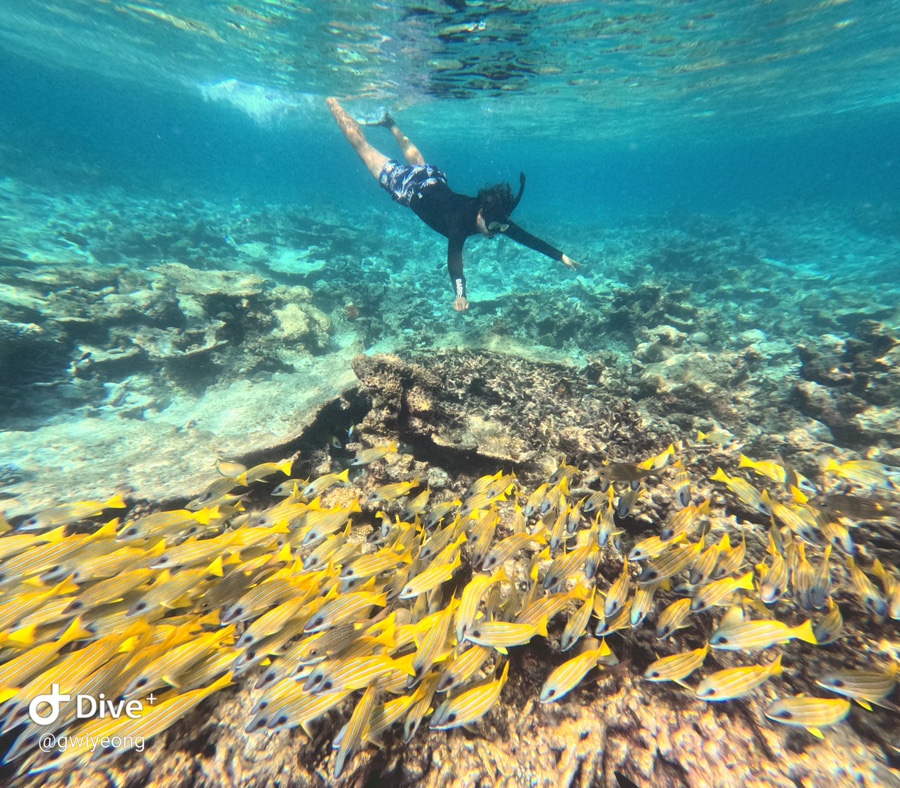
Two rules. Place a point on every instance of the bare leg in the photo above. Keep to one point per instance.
(372, 158)
(410, 152)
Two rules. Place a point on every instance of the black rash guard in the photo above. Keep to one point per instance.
(454, 216)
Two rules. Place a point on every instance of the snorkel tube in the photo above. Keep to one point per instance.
(519, 195)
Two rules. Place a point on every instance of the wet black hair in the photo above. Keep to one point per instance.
(497, 201)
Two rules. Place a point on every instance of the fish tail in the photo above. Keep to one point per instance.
(805, 632)
(285, 467)
(116, 502)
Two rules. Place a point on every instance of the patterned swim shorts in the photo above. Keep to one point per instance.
(405, 181)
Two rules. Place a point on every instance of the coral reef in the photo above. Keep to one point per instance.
(852, 385)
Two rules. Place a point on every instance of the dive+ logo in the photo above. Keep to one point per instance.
(87, 706)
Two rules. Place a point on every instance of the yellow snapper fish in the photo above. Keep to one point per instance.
(703, 568)
(745, 492)
(437, 574)
(505, 549)
(863, 686)
(674, 617)
(671, 563)
(368, 456)
(830, 626)
(416, 507)
(503, 635)
(67, 513)
(758, 635)
(767, 468)
(643, 602)
(774, 582)
(865, 473)
(354, 733)
(213, 493)
(471, 598)
(627, 501)
(617, 593)
(564, 678)
(676, 667)
(440, 511)
(48, 555)
(354, 673)
(866, 590)
(387, 493)
(469, 706)
(164, 523)
(810, 713)
(343, 609)
(483, 536)
(564, 566)
(720, 592)
(736, 682)
(432, 646)
(682, 522)
(318, 486)
(730, 560)
(577, 623)
(420, 706)
(263, 471)
(460, 668)
(681, 485)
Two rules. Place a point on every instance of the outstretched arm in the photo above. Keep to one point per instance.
(533, 242)
(455, 267)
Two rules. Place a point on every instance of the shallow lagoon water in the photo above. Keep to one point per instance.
(196, 265)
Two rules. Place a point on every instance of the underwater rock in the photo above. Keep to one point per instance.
(302, 324)
(695, 380)
(824, 405)
(458, 403)
(858, 382)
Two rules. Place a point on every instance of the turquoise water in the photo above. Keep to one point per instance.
(193, 260)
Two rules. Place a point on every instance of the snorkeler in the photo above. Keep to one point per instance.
(423, 188)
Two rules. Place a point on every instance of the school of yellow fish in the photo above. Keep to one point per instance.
(413, 617)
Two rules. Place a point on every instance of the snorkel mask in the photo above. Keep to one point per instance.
(503, 225)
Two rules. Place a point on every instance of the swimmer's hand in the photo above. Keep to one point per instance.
(461, 304)
(568, 262)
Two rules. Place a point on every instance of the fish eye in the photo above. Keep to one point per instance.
(251, 653)
(784, 714)
(328, 685)
(141, 682)
(476, 633)
(318, 620)
(451, 717)
(263, 704)
(837, 683)
(721, 640)
(551, 692)
(140, 606)
(654, 674)
(706, 691)
(282, 720)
